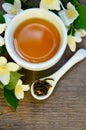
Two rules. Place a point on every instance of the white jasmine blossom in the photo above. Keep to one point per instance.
(19, 89)
(72, 40)
(12, 9)
(50, 4)
(5, 69)
(68, 15)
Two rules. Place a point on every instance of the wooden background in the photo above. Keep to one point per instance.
(65, 109)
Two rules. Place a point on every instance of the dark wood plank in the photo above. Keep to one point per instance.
(65, 109)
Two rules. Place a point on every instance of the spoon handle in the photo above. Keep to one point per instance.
(77, 57)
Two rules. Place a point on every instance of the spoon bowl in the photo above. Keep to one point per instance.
(77, 57)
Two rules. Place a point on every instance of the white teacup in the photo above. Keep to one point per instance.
(29, 14)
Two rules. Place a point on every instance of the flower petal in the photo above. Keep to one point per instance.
(1, 41)
(64, 18)
(13, 66)
(19, 93)
(83, 32)
(78, 39)
(72, 10)
(70, 6)
(19, 82)
(72, 46)
(25, 87)
(7, 7)
(5, 78)
(71, 43)
(50, 4)
(8, 18)
(68, 15)
(78, 34)
(17, 4)
(2, 27)
(21, 10)
(3, 60)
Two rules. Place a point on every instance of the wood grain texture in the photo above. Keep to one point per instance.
(65, 109)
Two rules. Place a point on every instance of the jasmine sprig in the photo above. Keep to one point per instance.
(8, 79)
(11, 83)
(14, 91)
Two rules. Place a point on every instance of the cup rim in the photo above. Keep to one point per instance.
(25, 64)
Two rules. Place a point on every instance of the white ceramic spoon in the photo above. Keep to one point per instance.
(78, 56)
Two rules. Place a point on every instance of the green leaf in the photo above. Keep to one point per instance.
(75, 2)
(80, 22)
(2, 19)
(10, 98)
(14, 77)
(1, 86)
(3, 50)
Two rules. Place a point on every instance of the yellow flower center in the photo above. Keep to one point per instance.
(13, 11)
(48, 2)
(3, 69)
(71, 14)
(18, 89)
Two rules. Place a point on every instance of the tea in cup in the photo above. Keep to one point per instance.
(36, 39)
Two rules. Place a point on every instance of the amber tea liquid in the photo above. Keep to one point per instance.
(36, 40)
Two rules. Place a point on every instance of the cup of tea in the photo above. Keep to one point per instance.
(36, 39)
